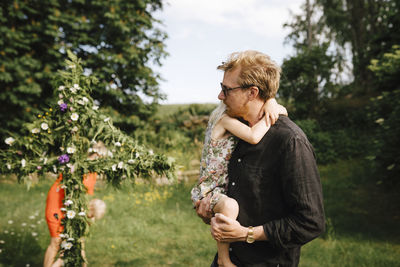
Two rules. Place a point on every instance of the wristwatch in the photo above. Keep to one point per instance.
(250, 235)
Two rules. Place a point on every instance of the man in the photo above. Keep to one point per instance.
(275, 182)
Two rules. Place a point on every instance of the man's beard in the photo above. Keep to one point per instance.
(240, 112)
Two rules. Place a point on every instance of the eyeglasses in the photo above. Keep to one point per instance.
(226, 89)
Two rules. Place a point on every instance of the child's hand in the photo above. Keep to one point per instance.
(272, 110)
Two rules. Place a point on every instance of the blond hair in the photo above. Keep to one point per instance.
(256, 69)
(97, 208)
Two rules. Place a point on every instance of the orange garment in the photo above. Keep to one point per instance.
(54, 202)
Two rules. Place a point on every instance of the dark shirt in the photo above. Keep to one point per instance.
(277, 185)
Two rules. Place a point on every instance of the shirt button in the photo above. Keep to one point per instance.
(233, 183)
(239, 160)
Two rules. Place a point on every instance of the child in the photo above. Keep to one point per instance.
(54, 203)
(219, 144)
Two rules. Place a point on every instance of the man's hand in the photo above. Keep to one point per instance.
(225, 229)
(203, 209)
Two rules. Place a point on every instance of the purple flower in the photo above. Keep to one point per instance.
(63, 107)
(63, 159)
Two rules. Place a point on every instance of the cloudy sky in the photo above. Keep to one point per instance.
(202, 33)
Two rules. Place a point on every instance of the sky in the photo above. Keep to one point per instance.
(202, 34)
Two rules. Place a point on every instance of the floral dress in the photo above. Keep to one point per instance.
(214, 168)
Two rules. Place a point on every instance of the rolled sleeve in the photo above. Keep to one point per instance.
(302, 192)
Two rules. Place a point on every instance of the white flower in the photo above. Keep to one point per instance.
(34, 234)
(90, 150)
(75, 129)
(9, 141)
(23, 163)
(71, 150)
(68, 202)
(60, 102)
(106, 119)
(110, 154)
(117, 144)
(5, 231)
(63, 186)
(71, 214)
(95, 107)
(131, 161)
(63, 209)
(74, 117)
(76, 86)
(61, 88)
(70, 239)
(66, 245)
(2, 242)
(35, 130)
(9, 166)
(73, 90)
(85, 99)
(54, 168)
(61, 148)
(32, 217)
(45, 161)
(114, 167)
(81, 102)
(44, 126)
(33, 226)
(23, 224)
(82, 213)
(151, 152)
(60, 96)
(10, 222)
(120, 165)
(380, 120)
(137, 154)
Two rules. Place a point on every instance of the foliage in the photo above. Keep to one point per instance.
(385, 111)
(118, 39)
(367, 26)
(178, 132)
(140, 229)
(61, 139)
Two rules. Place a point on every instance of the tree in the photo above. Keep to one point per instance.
(308, 75)
(118, 40)
(59, 141)
(369, 27)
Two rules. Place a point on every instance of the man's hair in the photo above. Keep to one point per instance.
(256, 69)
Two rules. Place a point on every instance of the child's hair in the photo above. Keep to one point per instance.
(217, 114)
(97, 208)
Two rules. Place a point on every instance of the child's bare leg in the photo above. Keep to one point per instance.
(230, 208)
(51, 253)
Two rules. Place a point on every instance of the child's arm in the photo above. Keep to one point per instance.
(251, 135)
(272, 110)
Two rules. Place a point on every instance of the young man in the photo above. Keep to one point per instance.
(275, 182)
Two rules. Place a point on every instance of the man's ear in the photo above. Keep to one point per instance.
(253, 92)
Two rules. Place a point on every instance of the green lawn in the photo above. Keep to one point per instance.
(156, 226)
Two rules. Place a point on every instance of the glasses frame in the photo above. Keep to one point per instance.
(225, 89)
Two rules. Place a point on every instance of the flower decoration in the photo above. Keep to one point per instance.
(9, 141)
(35, 130)
(70, 214)
(44, 126)
(63, 107)
(74, 116)
(63, 159)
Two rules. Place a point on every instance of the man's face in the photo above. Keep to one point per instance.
(236, 99)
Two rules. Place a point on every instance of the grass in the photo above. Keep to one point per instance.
(156, 226)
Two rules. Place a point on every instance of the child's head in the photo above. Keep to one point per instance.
(97, 209)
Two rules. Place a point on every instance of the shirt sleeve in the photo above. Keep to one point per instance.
(302, 193)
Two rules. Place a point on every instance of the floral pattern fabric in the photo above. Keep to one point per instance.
(214, 168)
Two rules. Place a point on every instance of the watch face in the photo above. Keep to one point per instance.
(250, 239)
